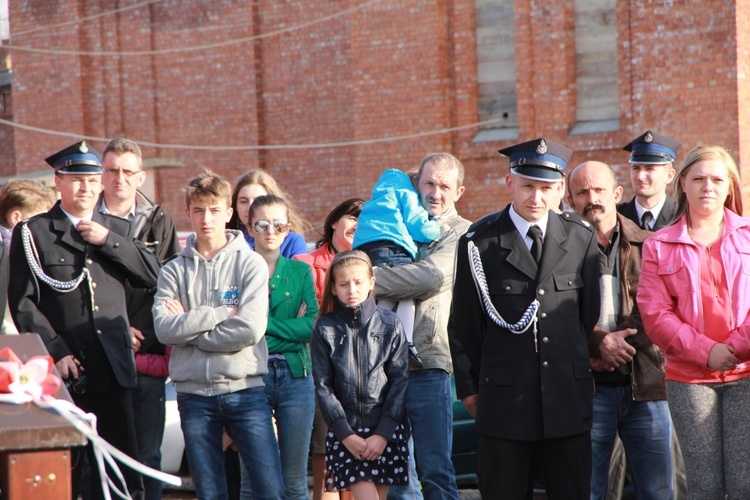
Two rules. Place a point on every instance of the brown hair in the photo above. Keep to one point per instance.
(351, 207)
(264, 201)
(264, 179)
(208, 186)
(346, 258)
(26, 196)
(708, 153)
(443, 162)
(120, 146)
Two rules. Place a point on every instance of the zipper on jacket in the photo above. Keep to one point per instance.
(357, 327)
(304, 368)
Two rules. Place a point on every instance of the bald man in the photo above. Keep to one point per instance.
(630, 396)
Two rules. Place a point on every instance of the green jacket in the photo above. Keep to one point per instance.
(292, 310)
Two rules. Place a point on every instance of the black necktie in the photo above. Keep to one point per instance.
(646, 219)
(535, 233)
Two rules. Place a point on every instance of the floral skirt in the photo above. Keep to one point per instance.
(392, 468)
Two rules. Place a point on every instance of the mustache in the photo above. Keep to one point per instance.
(591, 207)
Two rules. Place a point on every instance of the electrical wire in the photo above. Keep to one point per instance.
(265, 147)
(83, 19)
(208, 46)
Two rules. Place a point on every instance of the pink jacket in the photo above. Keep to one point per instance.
(319, 259)
(670, 301)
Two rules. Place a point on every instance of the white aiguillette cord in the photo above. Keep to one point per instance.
(529, 317)
(85, 423)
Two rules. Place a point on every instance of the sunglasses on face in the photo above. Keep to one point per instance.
(262, 225)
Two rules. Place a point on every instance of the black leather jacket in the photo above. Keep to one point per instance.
(361, 369)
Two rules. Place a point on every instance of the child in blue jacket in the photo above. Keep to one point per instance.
(392, 223)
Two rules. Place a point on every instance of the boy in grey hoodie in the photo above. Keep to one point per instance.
(211, 306)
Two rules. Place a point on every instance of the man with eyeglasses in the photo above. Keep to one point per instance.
(123, 175)
(66, 284)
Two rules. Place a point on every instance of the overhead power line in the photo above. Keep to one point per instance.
(83, 19)
(256, 147)
(128, 53)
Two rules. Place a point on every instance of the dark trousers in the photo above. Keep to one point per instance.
(149, 410)
(505, 466)
(116, 425)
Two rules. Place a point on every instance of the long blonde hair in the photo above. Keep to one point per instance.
(709, 153)
(264, 179)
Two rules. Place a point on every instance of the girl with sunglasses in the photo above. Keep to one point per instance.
(293, 307)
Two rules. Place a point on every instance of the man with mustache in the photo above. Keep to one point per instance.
(630, 394)
(651, 161)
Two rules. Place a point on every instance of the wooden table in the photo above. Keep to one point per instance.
(34, 443)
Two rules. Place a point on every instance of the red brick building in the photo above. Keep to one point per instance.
(385, 75)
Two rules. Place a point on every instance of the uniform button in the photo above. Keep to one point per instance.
(273, 285)
(543, 315)
(98, 332)
(89, 261)
(486, 379)
(93, 284)
(570, 283)
(546, 341)
(541, 291)
(545, 364)
(96, 308)
(507, 287)
(287, 294)
(116, 245)
(62, 259)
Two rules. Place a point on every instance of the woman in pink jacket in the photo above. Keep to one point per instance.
(694, 297)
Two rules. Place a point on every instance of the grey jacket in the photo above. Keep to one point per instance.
(429, 281)
(214, 353)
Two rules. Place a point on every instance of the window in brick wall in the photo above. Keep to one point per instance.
(4, 24)
(496, 69)
(597, 107)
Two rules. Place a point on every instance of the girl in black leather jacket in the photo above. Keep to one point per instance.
(360, 366)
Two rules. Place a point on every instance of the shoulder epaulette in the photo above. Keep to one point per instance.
(573, 217)
(483, 223)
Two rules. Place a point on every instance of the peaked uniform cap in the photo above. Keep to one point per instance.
(540, 159)
(79, 158)
(652, 149)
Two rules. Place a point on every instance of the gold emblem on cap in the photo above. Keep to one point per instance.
(649, 137)
(82, 148)
(541, 147)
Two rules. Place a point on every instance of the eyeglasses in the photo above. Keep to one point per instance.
(115, 172)
(262, 225)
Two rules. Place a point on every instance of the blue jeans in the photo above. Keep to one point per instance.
(247, 418)
(386, 253)
(149, 412)
(293, 403)
(645, 430)
(429, 407)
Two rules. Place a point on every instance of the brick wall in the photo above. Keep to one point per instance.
(392, 68)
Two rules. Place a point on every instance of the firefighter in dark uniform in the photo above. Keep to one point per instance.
(68, 270)
(651, 161)
(525, 299)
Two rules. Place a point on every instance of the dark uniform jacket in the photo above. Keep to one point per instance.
(647, 366)
(158, 234)
(523, 394)
(93, 327)
(665, 216)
